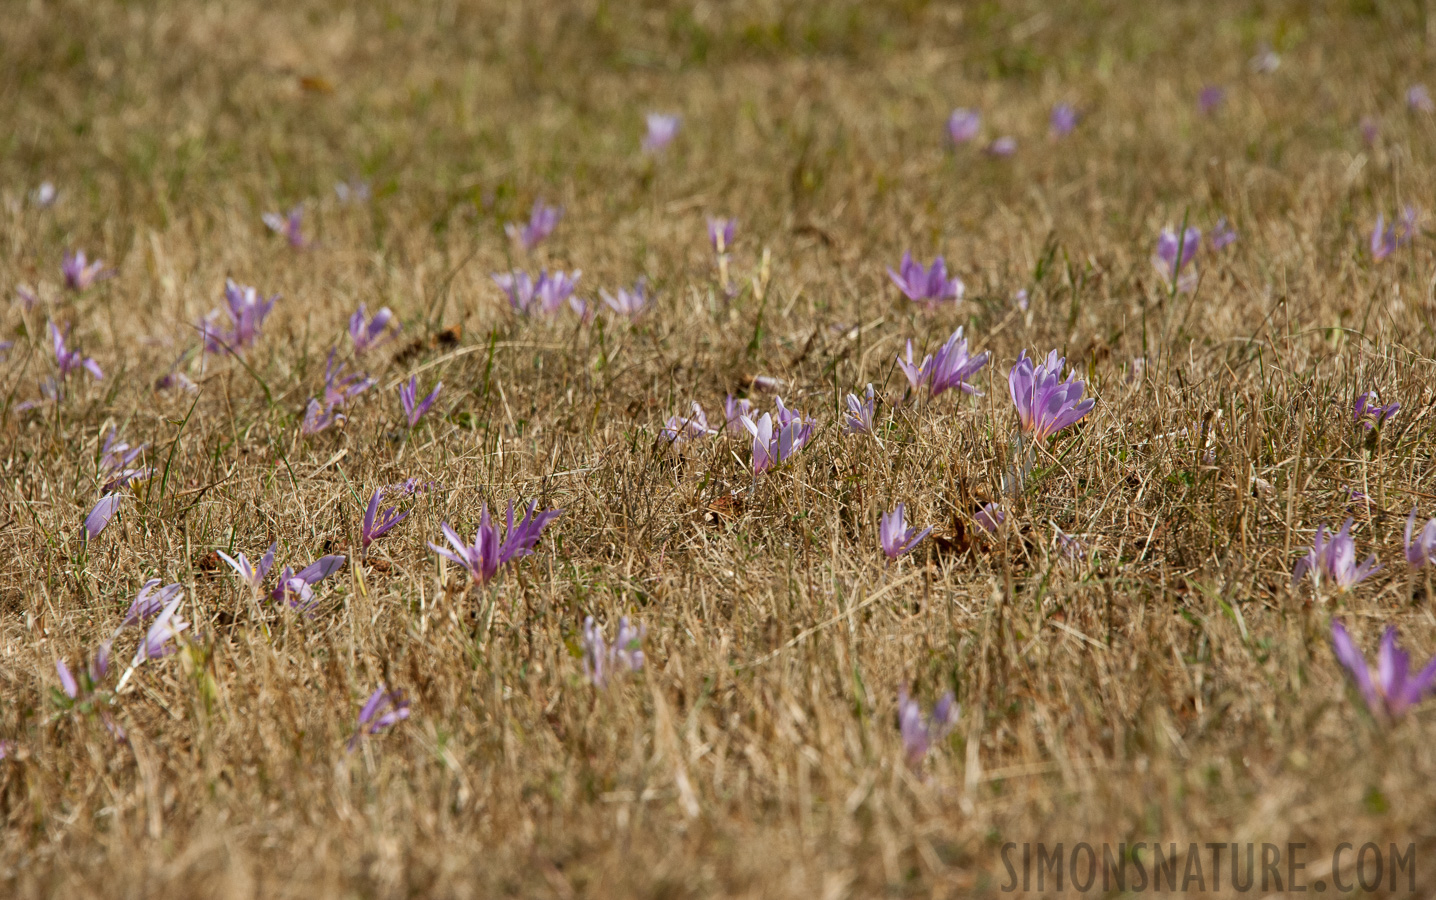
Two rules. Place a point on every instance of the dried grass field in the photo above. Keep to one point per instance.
(1107, 593)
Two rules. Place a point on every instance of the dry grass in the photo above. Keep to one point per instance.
(1173, 689)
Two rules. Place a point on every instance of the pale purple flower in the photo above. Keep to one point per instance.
(1222, 235)
(679, 429)
(628, 303)
(734, 410)
(383, 710)
(662, 129)
(27, 297)
(1419, 99)
(367, 333)
(1423, 549)
(290, 227)
(1003, 147)
(1391, 688)
(45, 195)
(542, 221)
(916, 373)
(926, 286)
(80, 274)
(487, 553)
(1210, 98)
(990, 518)
(774, 446)
(1334, 559)
(148, 603)
(1045, 403)
(548, 293)
(1386, 240)
(376, 523)
(252, 575)
(115, 459)
(246, 310)
(297, 588)
(339, 388)
(69, 361)
(919, 734)
(963, 124)
(101, 515)
(602, 660)
(414, 408)
(582, 309)
(1173, 256)
(1070, 545)
(1064, 119)
(859, 419)
(354, 191)
(895, 536)
(1370, 130)
(720, 234)
(1369, 413)
(67, 680)
(951, 366)
(1020, 300)
(159, 640)
(319, 417)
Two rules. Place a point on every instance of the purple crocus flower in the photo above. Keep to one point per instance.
(115, 459)
(367, 333)
(250, 574)
(894, 535)
(80, 274)
(859, 419)
(1334, 559)
(297, 588)
(1064, 119)
(917, 373)
(1222, 235)
(377, 524)
(720, 234)
(918, 735)
(542, 221)
(990, 518)
(291, 227)
(628, 303)
(1210, 98)
(1020, 300)
(339, 388)
(602, 660)
(383, 710)
(159, 640)
(1045, 403)
(1003, 147)
(68, 361)
(679, 429)
(548, 293)
(414, 408)
(774, 446)
(927, 286)
(662, 129)
(1385, 240)
(951, 366)
(319, 417)
(1423, 549)
(247, 311)
(1369, 413)
(1391, 689)
(101, 515)
(1173, 256)
(148, 603)
(1419, 99)
(486, 554)
(963, 124)
(734, 410)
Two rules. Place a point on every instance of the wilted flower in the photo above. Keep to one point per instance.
(377, 524)
(1385, 240)
(68, 361)
(297, 588)
(720, 234)
(339, 388)
(734, 410)
(159, 640)
(929, 286)
(1391, 689)
(247, 311)
(682, 428)
(1419, 99)
(918, 735)
(1004, 146)
(1064, 119)
(101, 515)
(963, 124)
(1045, 403)
(990, 518)
(1222, 235)
(542, 221)
(662, 129)
(894, 535)
(115, 458)
(368, 333)
(1173, 256)
(486, 554)
(149, 602)
(601, 660)
(291, 227)
(1369, 413)
(383, 710)
(250, 574)
(1422, 550)
(80, 274)
(774, 447)
(1210, 98)
(414, 408)
(860, 413)
(1334, 559)
(628, 303)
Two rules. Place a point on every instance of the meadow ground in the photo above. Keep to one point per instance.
(1159, 680)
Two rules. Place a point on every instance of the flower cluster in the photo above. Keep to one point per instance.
(1333, 559)
(1045, 403)
(950, 367)
(776, 439)
(548, 294)
(483, 558)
